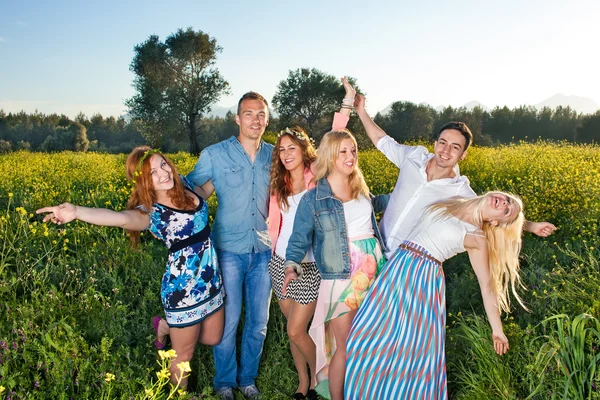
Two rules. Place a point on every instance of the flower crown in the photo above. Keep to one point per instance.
(138, 169)
(299, 134)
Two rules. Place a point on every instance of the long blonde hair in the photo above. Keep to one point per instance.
(328, 152)
(281, 179)
(503, 242)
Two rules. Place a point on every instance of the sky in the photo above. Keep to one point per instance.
(72, 56)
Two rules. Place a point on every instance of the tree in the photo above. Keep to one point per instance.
(475, 119)
(589, 131)
(80, 140)
(307, 97)
(407, 120)
(5, 146)
(72, 138)
(175, 84)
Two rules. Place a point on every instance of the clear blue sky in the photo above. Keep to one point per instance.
(71, 56)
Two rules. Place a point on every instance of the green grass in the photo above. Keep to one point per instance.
(76, 301)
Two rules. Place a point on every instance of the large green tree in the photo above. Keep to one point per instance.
(308, 97)
(176, 83)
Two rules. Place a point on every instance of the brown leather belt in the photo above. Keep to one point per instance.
(420, 253)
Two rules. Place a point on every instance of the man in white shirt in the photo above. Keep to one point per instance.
(424, 177)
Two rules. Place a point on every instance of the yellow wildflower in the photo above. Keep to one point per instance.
(184, 366)
(163, 373)
(109, 377)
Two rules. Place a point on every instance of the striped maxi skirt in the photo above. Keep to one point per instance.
(395, 348)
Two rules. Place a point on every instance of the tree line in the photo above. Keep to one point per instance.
(176, 82)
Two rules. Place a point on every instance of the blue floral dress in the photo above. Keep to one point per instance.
(192, 287)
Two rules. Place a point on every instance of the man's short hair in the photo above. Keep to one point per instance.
(251, 96)
(462, 128)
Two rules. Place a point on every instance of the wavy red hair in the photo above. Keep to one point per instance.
(143, 191)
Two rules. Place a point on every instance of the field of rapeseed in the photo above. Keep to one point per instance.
(76, 301)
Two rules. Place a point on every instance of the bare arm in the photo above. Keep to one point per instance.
(543, 229)
(373, 131)
(205, 190)
(478, 255)
(129, 219)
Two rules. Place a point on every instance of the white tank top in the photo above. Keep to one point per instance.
(358, 217)
(287, 225)
(443, 237)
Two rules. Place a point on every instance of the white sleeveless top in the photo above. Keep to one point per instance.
(358, 217)
(443, 237)
(287, 225)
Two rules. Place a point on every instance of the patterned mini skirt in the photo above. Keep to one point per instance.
(304, 290)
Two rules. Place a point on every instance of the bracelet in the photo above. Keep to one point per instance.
(348, 100)
(347, 106)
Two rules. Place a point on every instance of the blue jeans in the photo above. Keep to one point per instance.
(244, 276)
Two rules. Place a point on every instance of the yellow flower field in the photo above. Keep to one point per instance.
(76, 301)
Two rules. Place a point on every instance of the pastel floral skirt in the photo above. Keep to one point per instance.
(340, 296)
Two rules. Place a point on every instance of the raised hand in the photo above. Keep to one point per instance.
(61, 214)
(500, 343)
(350, 91)
(359, 103)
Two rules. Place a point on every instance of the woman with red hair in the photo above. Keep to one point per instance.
(166, 204)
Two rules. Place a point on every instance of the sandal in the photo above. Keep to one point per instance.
(157, 343)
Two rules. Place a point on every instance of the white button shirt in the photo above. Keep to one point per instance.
(413, 193)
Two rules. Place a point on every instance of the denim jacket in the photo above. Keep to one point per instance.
(320, 223)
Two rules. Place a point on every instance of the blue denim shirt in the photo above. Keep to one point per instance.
(242, 189)
(320, 223)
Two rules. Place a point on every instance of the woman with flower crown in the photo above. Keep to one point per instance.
(336, 220)
(291, 178)
(166, 204)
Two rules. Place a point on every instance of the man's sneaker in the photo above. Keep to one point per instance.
(225, 394)
(250, 392)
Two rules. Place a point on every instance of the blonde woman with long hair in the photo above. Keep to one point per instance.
(337, 219)
(396, 344)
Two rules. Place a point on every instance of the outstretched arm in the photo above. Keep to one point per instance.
(373, 131)
(129, 219)
(478, 255)
(543, 229)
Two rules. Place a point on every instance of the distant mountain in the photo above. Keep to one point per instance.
(580, 104)
(474, 103)
(218, 111)
(389, 107)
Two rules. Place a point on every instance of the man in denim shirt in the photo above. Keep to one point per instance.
(238, 169)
